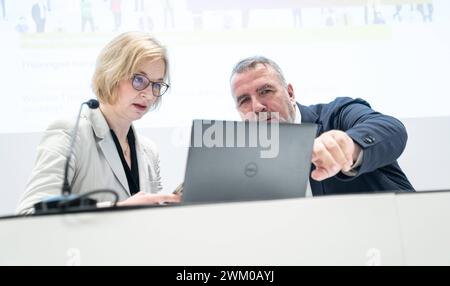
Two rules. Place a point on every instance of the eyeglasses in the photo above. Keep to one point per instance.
(141, 82)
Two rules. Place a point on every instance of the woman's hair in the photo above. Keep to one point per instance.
(119, 60)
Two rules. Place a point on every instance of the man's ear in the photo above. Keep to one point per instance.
(290, 90)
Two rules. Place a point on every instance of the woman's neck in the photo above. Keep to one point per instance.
(119, 125)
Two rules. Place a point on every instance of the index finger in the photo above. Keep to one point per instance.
(346, 144)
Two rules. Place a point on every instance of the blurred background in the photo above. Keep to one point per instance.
(393, 53)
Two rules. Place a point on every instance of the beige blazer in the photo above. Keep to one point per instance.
(95, 163)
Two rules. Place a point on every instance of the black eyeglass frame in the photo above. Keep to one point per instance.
(163, 86)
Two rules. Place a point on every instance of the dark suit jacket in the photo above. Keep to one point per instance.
(383, 138)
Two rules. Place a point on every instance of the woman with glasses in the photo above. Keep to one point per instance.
(128, 81)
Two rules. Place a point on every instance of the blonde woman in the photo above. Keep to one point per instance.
(129, 80)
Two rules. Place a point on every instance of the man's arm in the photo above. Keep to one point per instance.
(381, 137)
(357, 130)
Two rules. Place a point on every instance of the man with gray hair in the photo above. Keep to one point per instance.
(356, 148)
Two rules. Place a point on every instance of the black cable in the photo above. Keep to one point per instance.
(88, 194)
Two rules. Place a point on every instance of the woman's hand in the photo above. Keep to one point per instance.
(142, 198)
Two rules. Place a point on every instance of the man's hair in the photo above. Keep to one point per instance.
(251, 63)
(119, 60)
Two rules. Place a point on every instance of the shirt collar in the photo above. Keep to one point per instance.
(298, 115)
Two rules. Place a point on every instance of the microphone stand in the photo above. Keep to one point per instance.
(68, 200)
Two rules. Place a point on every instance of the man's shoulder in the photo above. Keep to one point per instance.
(339, 102)
(326, 112)
(336, 105)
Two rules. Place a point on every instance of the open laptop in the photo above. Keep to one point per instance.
(242, 161)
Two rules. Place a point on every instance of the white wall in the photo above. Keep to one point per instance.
(427, 154)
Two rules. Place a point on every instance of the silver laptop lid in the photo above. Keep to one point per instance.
(242, 161)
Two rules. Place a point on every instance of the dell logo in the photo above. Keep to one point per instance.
(251, 169)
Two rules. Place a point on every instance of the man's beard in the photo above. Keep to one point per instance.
(271, 116)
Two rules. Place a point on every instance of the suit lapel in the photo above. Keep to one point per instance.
(112, 157)
(106, 143)
(142, 165)
(309, 116)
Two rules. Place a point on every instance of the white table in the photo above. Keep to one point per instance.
(379, 229)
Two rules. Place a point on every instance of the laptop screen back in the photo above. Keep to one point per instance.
(242, 161)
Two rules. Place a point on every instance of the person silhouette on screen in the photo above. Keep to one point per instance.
(22, 26)
(87, 16)
(169, 21)
(397, 15)
(297, 16)
(39, 15)
(427, 14)
(116, 9)
(356, 148)
(145, 16)
(3, 9)
(430, 9)
(129, 80)
(378, 18)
